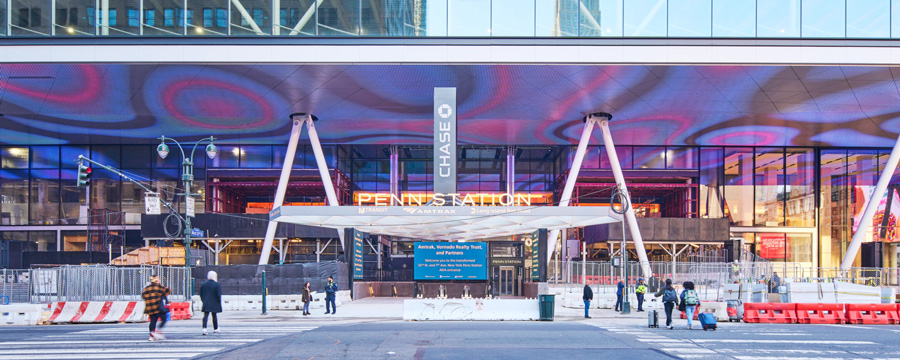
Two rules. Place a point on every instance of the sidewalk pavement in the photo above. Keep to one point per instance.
(391, 309)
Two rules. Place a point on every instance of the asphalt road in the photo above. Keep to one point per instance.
(359, 339)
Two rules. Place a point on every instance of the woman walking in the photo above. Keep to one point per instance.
(211, 295)
(669, 299)
(154, 307)
(306, 299)
(689, 300)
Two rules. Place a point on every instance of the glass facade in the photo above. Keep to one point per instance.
(810, 198)
(826, 19)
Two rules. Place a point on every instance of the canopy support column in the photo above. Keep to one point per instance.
(603, 120)
(566, 195)
(282, 188)
(871, 207)
(323, 170)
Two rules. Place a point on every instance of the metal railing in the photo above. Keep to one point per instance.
(102, 283)
(13, 286)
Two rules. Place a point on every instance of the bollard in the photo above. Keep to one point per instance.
(264, 293)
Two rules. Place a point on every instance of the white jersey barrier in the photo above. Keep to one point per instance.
(20, 314)
(471, 309)
(84, 312)
(273, 302)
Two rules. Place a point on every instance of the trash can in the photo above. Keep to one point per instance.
(547, 303)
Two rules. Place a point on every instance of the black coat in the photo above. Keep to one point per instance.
(211, 295)
(588, 293)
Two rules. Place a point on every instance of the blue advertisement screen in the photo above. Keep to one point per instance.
(450, 261)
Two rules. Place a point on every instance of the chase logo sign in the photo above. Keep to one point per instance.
(444, 111)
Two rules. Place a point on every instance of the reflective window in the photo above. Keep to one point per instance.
(393, 18)
(228, 157)
(469, 17)
(75, 17)
(14, 157)
(30, 18)
(108, 155)
(159, 17)
(259, 157)
(436, 18)
(339, 18)
(690, 18)
(44, 157)
(778, 18)
(868, 19)
(69, 155)
(610, 17)
(44, 197)
(138, 156)
(3, 24)
(510, 18)
(711, 181)
(251, 17)
(734, 18)
(14, 196)
(645, 18)
(649, 157)
(823, 18)
(739, 186)
(106, 190)
(681, 158)
(74, 210)
(770, 187)
(835, 197)
(624, 153)
(799, 197)
(554, 18)
(895, 18)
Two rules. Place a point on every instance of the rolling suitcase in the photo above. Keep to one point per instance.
(707, 320)
(653, 318)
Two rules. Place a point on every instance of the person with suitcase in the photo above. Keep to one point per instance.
(689, 301)
(669, 299)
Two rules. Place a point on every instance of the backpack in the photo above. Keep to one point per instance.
(670, 296)
(690, 298)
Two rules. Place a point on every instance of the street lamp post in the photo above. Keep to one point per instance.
(187, 177)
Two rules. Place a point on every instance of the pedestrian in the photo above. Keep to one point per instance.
(669, 299)
(330, 292)
(776, 282)
(211, 295)
(689, 301)
(639, 292)
(307, 298)
(587, 297)
(155, 308)
(620, 288)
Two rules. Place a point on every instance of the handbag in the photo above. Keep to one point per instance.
(164, 305)
(681, 306)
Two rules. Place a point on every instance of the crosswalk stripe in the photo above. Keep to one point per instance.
(146, 355)
(158, 349)
(696, 350)
(143, 341)
(824, 342)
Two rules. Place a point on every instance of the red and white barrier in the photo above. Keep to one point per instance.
(97, 312)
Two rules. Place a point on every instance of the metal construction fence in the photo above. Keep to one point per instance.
(14, 286)
(102, 283)
(711, 277)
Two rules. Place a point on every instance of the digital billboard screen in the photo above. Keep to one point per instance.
(450, 261)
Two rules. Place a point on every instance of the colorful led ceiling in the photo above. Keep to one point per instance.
(498, 104)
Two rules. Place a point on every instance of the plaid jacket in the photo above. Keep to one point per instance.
(152, 296)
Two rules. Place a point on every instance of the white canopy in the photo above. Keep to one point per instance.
(444, 222)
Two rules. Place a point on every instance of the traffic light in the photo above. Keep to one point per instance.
(84, 175)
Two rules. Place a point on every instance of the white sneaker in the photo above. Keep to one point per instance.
(671, 327)
(151, 338)
(216, 331)
(204, 331)
(158, 335)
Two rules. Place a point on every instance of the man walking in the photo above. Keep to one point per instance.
(211, 296)
(776, 282)
(588, 296)
(639, 292)
(153, 296)
(330, 292)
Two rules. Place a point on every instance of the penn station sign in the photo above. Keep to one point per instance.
(440, 199)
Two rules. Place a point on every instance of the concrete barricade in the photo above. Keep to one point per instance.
(84, 312)
(811, 293)
(717, 308)
(471, 309)
(273, 302)
(849, 293)
(20, 314)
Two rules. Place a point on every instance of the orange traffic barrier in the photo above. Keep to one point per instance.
(774, 313)
(820, 313)
(871, 314)
(180, 310)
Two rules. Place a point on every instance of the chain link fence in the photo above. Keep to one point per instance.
(102, 283)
